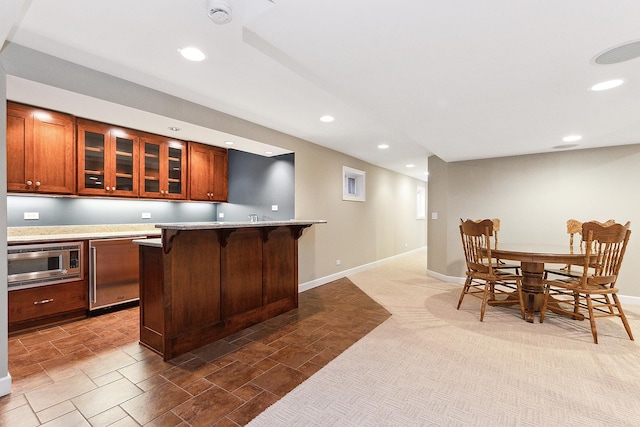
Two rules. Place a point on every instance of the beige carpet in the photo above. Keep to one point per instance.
(430, 364)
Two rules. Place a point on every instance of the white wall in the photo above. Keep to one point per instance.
(534, 195)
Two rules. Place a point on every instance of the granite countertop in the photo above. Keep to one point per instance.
(79, 232)
(156, 243)
(244, 224)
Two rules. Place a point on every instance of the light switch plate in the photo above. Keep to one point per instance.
(146, 215)
(274, 208)
(434, 215)
(221, 215)
(32, 215)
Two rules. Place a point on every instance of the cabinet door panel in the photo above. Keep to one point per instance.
(208, 173)
(18, 138)
(162, 168)
(54, 154)
(40, 150)
(199, 171)
(220, 176)
(107, 160)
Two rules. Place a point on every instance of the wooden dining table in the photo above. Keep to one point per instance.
(532, 259)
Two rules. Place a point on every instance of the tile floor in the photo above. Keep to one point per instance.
(94, 372)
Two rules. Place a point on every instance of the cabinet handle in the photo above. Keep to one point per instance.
(108, 188)
(37, 183)
(29, 183)
(44, 301)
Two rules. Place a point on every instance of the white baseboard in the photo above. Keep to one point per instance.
(327, 279)
(624, 299)
(5, 385)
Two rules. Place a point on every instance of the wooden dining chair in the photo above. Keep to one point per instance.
(499, 263)
(595, 289)
(482, 279)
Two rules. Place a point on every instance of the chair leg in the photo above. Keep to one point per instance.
(465, 289)
(543, 310)
(592, 320)
(576, 302)
(623, 317)
(519, 285)
(485, 295)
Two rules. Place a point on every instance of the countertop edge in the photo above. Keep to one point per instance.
(81, 236)
(221, 225)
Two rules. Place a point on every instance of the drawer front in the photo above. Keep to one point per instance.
(34, 303)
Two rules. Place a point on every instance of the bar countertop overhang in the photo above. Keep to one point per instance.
(242, 224)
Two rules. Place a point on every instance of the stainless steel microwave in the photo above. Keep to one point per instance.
(44, 264)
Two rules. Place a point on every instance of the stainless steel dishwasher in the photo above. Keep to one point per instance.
(113, 272)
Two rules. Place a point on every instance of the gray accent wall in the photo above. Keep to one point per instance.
(257, 183)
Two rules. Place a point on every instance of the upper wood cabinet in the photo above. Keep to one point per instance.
(40, 150)
(208, 173)
(163, 167)
(107, 160)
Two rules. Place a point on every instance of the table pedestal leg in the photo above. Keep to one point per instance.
(532, 289)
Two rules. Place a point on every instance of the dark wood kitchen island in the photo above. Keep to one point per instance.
(204, 281)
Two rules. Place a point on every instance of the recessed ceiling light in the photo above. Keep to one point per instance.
(327, 119)
(192, 53)
(572, 138)
(609, 84)
(174, 129)
(229, 142)
(383, 146)
(411, 165)
(268, 152)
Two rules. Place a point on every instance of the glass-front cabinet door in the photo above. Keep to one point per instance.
(107, 160)
(163, 171)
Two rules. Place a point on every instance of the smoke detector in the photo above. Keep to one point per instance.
(219, 11)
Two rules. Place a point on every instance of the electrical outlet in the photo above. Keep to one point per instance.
(32, 215)
(337, 262)
(274, 208)
(221, 215)
(146, 215)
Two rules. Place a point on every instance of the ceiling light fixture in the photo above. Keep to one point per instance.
(219, 11)
(572, 138)
(192, 54)
(411, 165)
(268, 152)
(383, 146)
(229, 142)
(174, 129)
(327, 119)
(609, 84)
(619, 54)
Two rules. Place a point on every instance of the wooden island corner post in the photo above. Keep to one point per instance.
(204, 281)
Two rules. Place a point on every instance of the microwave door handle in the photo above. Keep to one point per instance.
(94, 274)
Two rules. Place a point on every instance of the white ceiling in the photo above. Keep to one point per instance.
(461, 79)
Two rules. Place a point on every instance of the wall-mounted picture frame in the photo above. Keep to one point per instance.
(353, 184)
